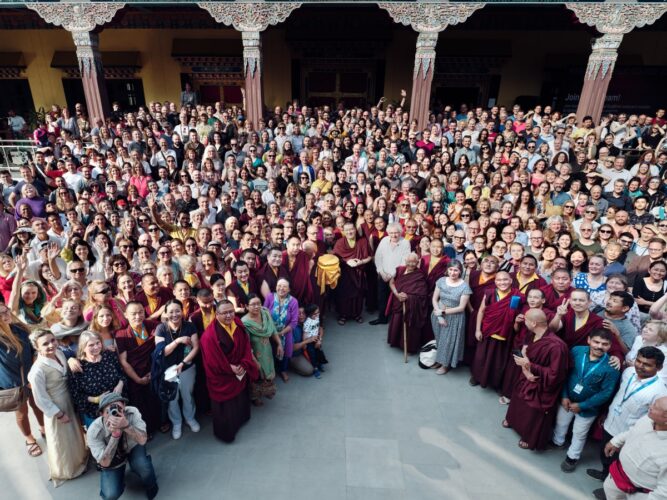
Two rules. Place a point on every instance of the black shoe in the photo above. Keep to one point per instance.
(378, 322)
(568, 465)
(473, 382)
(596, 474)
(555, 446)
(599, 494)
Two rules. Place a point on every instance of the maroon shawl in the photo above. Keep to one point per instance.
(299, 275)
(219, 351)
(552, 299)
(574, 337)
(522, 336)
(164, 295)
(498, 317)
(416, 307)
(352, 278)
(271, 276)
(537, 283)
(549, 361)
(239, 293)
(436, 273)
(138, 356)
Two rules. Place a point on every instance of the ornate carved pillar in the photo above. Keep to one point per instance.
(81, 19)
(251, 18)
(428, 19)
(613, 20)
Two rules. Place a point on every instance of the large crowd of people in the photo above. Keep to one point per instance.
(171, 264)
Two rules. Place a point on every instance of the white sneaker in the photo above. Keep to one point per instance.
(194, 426)
(176, 432)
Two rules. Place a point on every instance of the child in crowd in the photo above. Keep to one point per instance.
(313, 333)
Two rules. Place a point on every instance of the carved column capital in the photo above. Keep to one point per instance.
(252, 52)
(602, 60)
(87, 52)
(429, 17)
(617, 18)
(246, 15)
(425, 54)
(84, 16)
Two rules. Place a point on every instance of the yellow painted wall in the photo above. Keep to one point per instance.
(38, 47)
(522, 74)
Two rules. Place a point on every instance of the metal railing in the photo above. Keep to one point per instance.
(14, 153)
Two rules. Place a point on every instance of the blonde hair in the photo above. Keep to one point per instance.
(8, 339)
(662, 330)
(86, 337)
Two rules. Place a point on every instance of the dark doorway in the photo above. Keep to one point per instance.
(455, 96)
(21, 97)
(128, 93)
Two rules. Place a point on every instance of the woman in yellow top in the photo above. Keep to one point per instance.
(321, 182)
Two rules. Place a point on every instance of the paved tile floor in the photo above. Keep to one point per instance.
(371, 428)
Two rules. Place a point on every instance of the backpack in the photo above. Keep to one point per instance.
(427, 355)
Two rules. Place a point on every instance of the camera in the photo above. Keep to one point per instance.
(115, 411)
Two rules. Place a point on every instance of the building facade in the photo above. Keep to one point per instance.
(580, 57)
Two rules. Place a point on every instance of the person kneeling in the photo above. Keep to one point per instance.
(115, 438)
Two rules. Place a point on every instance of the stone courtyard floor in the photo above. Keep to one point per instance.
(371, 428)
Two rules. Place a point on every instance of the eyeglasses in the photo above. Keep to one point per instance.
(152, 229)
(662, 225)
(118, 264)
(605, 231)
(586, 230)
(77, 270)
(124, 247)
(352, 188)
(568, 206)
(104, 291)
(591, 212)
(465, 215)
(164, 253)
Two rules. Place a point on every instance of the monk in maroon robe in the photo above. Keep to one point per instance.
(409, 284)
(544, 367)
(480, 281)
(354, 254)
(526, 278)
(136, 344)
(153, 296)
(299, 265)
(241, 287)
(535, 300)
(434, 267)
(229, 365)
(271, 272)
(559, 290)
(574, 322)
(495, 332)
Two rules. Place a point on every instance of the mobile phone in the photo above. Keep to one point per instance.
(517, 353)
(515, 302)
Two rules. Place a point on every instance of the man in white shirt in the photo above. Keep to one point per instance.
(391, 253)
(159, 158)
(643, 457)
(617, 172)
(640, 387)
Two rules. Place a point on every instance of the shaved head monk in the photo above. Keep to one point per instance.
(544, 363)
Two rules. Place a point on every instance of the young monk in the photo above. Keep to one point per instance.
(495, 331)
(559, 290)
(480, 282)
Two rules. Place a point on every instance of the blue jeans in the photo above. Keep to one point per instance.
(312, 354)
(112, 481)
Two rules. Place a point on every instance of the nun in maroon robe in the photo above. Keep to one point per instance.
(497, 328)
(532, 409)
(352, 285)
(410, 280)
(223, 345)
(298, 265)
(137, 347)
(480, 281)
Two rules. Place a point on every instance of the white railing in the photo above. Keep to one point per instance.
(14, 153)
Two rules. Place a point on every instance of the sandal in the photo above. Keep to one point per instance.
(503, 400)
(164, 428)
(284, 376)
(506, 424)
(341, 321)
(442, 371)
(523, 445)
(34, 449)
(360, 319)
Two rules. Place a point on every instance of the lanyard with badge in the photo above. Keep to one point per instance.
(582, 376)
(627, 396)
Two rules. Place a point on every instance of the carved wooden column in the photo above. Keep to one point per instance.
(613, 20)
(428, 19)
(251, 18)
(81, 19)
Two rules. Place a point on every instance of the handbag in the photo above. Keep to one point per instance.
(13, 399)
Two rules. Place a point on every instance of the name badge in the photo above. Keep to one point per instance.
(578, 388)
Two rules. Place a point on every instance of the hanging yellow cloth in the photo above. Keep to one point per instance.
(328, 272)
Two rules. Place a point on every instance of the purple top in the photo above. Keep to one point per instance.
(37, 204)
(291, 320)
